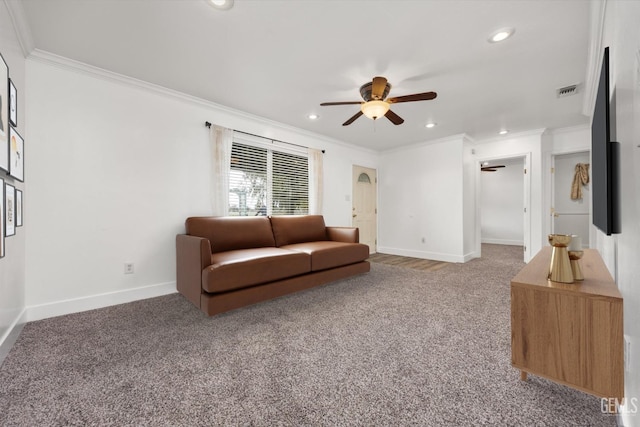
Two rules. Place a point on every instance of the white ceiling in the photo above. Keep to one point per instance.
(280, 59)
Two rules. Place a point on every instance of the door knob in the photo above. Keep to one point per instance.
(354, 215)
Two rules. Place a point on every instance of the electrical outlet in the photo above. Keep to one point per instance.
(627, 354)
(128, 268)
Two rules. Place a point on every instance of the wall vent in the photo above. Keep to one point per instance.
(567, 91)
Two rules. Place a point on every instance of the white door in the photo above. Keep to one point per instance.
(364, 209)
(570, 216)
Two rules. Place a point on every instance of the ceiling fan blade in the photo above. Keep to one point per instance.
(324, 104)
(379, 84)
(394, 118)
(488, 170)
(352, 119)
(497, 166)
(426, 96)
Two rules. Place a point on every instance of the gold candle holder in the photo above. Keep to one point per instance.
(574, 257)
(560, 267)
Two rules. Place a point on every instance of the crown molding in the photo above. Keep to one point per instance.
(594, 59)
(21, 26)
(569, 129)
(462, 137)
(510, 136)
(72, 65)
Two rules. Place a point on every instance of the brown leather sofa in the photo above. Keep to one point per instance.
(224, 263)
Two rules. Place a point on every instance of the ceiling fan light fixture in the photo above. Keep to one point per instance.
(374, 109)
(313, 116)
(503, 132)
(501, 35)
(430, 125)
(220, 4)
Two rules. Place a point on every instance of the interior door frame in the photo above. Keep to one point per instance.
(353, 165)
(526, 199)
(550, 160)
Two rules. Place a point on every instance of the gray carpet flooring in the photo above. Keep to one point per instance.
(393, 347)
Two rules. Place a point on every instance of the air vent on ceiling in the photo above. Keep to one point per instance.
(567, 91)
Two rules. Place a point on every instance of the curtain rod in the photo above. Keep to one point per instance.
(208, 124)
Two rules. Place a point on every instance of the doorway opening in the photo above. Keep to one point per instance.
(571, 195)
(503, 202)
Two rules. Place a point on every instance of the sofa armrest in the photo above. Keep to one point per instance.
(193, 254)
(344, 234)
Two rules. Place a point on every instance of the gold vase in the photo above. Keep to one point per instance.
(574, 257)
(560, 267)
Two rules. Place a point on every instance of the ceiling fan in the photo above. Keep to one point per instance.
(487, 168)
(375, 104)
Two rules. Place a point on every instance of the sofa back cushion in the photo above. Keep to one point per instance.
(232, 233)
(289, 230)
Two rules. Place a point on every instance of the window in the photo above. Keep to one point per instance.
(266, 181)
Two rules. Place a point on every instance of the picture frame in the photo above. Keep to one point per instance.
(13, 104)
(16, 155)
(18, 208)
(4, 115)
(10, 210)
(2, 247)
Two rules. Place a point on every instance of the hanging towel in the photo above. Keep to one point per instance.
(579, 179)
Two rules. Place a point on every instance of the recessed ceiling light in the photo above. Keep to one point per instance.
(503, 132)
(501, 34)
(313, 116)
(220, 4)
(430, 125)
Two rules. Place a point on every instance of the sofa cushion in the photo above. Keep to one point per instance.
(232, 233)
(288, 230)
(248, 267)
(325, 255)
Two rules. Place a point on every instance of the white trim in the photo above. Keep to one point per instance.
(10, 337)
(510, 136)
(434, 256)
(503, 242)
(61, 62)
(456, 137)
(91, 302)
(21, 26)
(594, 58)
(568, 129)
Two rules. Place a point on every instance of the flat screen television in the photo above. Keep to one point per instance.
(605, 158)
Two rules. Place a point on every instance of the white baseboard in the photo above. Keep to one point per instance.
(503, 242)
(10, 337)
(76, 305)
(435, 256)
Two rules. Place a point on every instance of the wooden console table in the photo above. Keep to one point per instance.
(569, 333)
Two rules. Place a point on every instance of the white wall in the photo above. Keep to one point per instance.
(622, 35)
(501, 204)
(421, 197)
(12, 266)
(115, 167)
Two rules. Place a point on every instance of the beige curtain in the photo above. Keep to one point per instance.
(580, 178)
(221, 140)
(315, 181)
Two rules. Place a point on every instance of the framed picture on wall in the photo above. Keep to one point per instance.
(13, 104)
(18, 208)
(16, 155)
(1, 218)
(9, 209)
(4, 115)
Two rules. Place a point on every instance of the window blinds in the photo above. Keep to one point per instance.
(267, 181)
